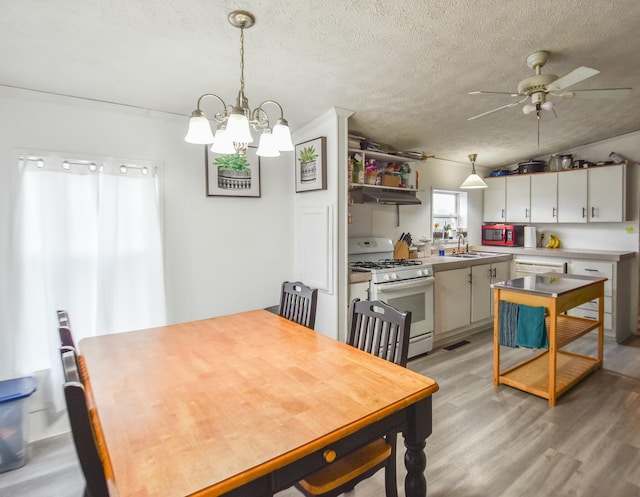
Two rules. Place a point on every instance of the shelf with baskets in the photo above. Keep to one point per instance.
(381, 170)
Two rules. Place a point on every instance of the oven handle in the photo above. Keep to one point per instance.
(401, 285)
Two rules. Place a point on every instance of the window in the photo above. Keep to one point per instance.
(449, 210)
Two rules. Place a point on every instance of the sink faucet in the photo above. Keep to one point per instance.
(460, 238)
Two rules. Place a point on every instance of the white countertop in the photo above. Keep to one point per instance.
(566, 253)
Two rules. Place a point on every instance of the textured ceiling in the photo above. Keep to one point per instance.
(404, 67)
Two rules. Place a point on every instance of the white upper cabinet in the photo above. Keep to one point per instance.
(518, 198)
(494, 200)
(544, 198)
(607, 194)
(572, 196)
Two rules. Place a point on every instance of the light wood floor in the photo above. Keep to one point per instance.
(486, 441)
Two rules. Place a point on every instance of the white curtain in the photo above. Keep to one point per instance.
(87, 239)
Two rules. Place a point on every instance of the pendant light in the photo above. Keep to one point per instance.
(235, 122)
(473, 181)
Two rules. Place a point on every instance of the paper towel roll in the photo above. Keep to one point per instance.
(530, 239)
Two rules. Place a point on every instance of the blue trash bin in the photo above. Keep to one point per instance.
(13, 426)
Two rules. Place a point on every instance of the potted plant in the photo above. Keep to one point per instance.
(307, 159)
(234, 171)
(447, 229)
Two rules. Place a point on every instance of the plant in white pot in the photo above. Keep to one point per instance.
(234, 171)
(307, 159)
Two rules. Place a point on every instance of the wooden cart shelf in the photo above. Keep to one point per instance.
(553, 371)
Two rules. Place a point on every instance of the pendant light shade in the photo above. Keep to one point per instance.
(199, 130)
(240, 120)
(282, 136)
(221, 143)
(267, 146)
(473, 181)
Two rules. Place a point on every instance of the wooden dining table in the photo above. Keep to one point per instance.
(244, 405)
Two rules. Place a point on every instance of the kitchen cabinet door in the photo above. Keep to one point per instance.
(480, 292)
(452, 300)
(607, 194)
(494, 200)
(572, 196)
(500, 271)
(518, 204)
(544, 198)
(482, 276)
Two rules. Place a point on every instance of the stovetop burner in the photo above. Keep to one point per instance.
(385, 264)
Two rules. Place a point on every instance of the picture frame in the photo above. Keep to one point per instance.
(241, 178)
(311, 165)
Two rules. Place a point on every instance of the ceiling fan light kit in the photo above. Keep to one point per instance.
(537, 88)
(235, 122)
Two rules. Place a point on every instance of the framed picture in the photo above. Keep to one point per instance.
(233, 175)
(311, 165)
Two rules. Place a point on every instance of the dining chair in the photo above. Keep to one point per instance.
(298, 303)
(64, 329)
(63, 318)
(379, 329)
(84, 437)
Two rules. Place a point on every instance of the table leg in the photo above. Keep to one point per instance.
(418, 429)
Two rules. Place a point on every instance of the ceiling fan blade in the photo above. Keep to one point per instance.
(599, 93)
(494, 93)
(572, 77)
(497, 109)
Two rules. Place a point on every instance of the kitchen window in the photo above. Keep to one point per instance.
(449, 208)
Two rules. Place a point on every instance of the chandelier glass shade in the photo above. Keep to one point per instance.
(474, 180)
(235, 123)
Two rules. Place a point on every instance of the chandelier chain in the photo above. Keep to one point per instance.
(242, 60)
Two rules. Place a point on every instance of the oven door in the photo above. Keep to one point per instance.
(414, 295)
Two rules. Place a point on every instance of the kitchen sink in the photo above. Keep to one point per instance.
(474, 255)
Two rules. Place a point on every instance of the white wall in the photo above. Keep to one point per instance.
(222, 255)
(332, 125)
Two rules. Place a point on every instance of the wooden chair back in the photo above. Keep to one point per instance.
(380, 329)
(298, 303)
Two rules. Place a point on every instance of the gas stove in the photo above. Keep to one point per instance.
(406, 284)
(375, 255)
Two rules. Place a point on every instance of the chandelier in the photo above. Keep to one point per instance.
(233, 133)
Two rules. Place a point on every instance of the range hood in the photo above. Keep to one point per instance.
(385, 196)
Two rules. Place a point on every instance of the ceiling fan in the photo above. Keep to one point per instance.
(537, 88)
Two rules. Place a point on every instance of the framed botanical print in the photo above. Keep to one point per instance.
(311, 165)
(232, 175)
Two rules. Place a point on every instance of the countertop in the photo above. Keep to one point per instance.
(562, 253)
(549, 285)
(448, 262)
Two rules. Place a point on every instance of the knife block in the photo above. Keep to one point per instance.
(401, 250)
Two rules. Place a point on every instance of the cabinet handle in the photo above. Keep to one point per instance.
(553, 212)
(593, 212)
(502, 213)
(493, 273)
(584, 212)
(593, 270)
(526, 212)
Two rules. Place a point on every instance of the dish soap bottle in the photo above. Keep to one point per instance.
(441, 246)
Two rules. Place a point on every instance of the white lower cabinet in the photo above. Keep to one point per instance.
(452, 301)
(359, 290)
(464, 297)
(482, 277)
(590, 309)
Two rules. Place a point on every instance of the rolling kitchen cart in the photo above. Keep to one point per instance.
(553, 371)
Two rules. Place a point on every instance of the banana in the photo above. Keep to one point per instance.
(554, 242)
(550, 242)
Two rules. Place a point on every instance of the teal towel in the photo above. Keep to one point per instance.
(507, 323)
(532, 329)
